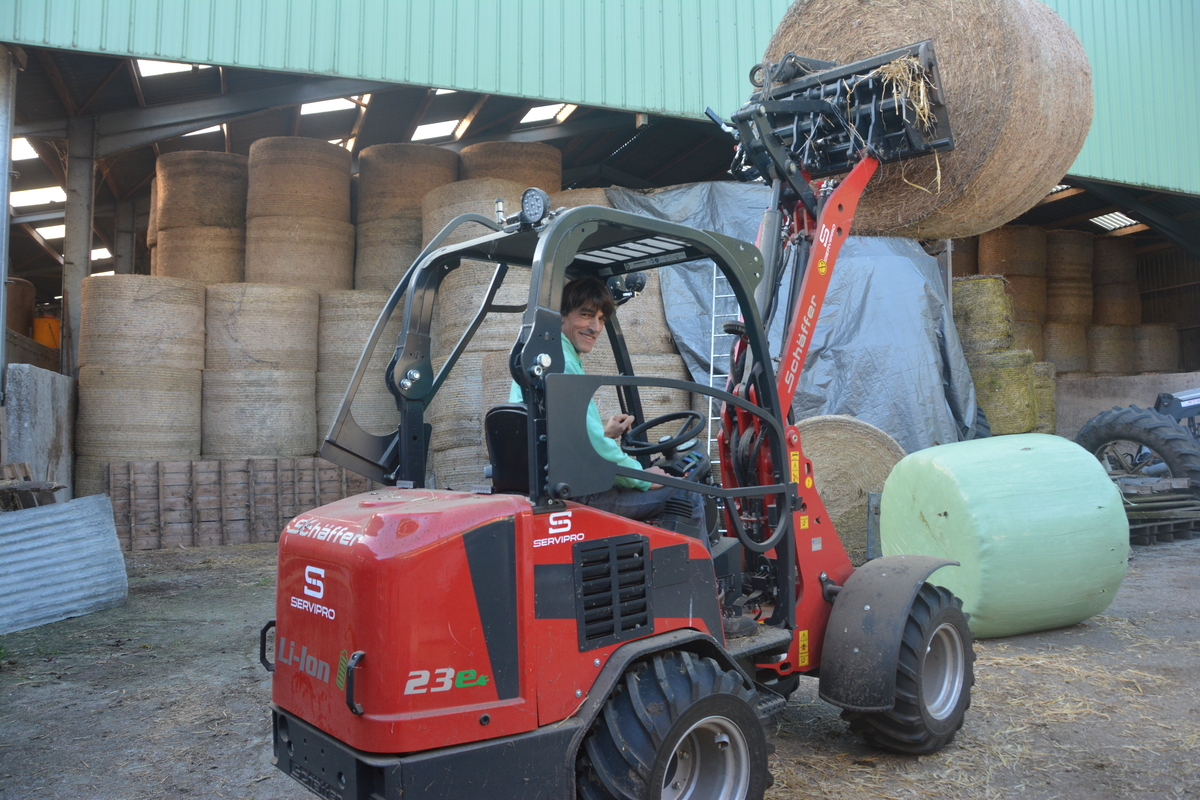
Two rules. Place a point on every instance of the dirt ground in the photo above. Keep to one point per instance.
(164, 697)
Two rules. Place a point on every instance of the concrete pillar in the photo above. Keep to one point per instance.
(124, 243)
(77, 246)
(8, 96)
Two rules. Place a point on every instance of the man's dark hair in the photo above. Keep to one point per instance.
(588, 291)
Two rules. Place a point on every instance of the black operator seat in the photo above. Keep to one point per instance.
(506, 430)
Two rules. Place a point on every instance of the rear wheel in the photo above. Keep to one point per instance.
(933, 679)
(677, 727)
(1134, 442)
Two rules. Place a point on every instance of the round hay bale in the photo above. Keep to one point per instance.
(456, 412)
(462, 292)
(299, 177)
(1116, 304)
(851, 459)
(200, 188)
(374, 408)
(459, 468)
(314, 252)
(656, 400)
(205, 255)
(574, 198)
(152, 225)
(1156, 348)
(1004, 389)
(1065, 344)
(1069, 255)
(983, 314)
(138, 412)
(1043, 394)
(1114, 260)
(90, 477)
(1013, 250)
(394, 178)
(268, 413)
(346, 321)
(1110, 349)
(259, 326)
(526, 163)
(443, 204)
(1038, 122)
(386, 249)
(354, 181)
(154, 261)
(644, 322)
(1028, 336)
(1069, 300)
(964, 257)
(141, 319)
(1029, 297)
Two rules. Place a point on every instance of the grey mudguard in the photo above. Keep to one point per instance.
(862, 639)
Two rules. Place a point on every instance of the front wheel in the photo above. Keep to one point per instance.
(677, 727)
(934, 677)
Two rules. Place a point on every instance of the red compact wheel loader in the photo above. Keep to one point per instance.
(509, 642)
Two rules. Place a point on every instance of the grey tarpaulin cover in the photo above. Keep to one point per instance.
(885, 349)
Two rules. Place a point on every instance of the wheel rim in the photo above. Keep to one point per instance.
(711, 762)
(942, 675)
(1124, 457)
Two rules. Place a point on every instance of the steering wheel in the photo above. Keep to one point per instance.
(631, 444)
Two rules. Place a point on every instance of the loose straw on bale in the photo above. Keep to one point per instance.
(1065, 345)
(983, 314)
(526, 163)
(141, 319)
(1069, 255)
(1013, 250)
(260, 326)
(964, 257)
(1114, 260)
(200, 188)
(851, 459)
(1069, 300)
(141, 411)
(1028, 336)
(346, 321)
(1116, 304)
(269, 413)
(1110, 349)
(1038, 122)
(374, 407)
(386, 249)
(1028, 294)
(1043, 391)
(395, 177)
(443, 204)
(1156, 348)
(1004, 389)
(295, 176)
(313, 252)
(206, 255)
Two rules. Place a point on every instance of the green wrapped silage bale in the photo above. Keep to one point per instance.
(1036, 524)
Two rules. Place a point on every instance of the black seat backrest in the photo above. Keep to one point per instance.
(506, 429)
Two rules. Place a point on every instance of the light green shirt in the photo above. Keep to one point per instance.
(606, 447)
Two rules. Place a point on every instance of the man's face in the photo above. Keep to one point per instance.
(583, 326)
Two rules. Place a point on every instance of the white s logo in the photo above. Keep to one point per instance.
(316, 586)
(560, 522)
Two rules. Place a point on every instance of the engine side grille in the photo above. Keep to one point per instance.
(613, 590)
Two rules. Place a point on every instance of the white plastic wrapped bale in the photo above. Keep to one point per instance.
(1034, 521)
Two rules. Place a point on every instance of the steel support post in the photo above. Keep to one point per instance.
(8, 97)
(124, 243)
(77, 245)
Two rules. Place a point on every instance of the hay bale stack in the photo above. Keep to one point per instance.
(268, 413)
(1110, 349)
(851, 459)
(574, 198)
(204, 254)
(152, 225)
(1069, 301)
(458, 453)
(385, 249)
(291, 176)
(964, 257)
(1028, 294)
(258, 326)
(478, 196)
(1065, 345)
(345, 323)
(141, 319)
(1038, 122)
(983, 314)
(200, 188)
(1069, 255)
(374, 407)
(1004, 389)
(1044, 397)
(395, 177)
(1028, 336)
(461, 294)
(1156, 348)
(1013, 250)
(313, 252)
(1114, 260)
(1116, 304)
(526, 163)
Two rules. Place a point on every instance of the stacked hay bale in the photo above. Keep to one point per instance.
(964, 257)
(1068, 293)
(1116, 308)
(346, 321)
(1003, 376)
(198, 211)
(260, 362)
(1044, 398)
(152, 227)
(141, 351)
(1018, 252)
(298, 230)
(1156, 347)
(393, 179)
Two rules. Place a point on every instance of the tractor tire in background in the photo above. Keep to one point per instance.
(934, 676)
(1141, 442)
(677, 727)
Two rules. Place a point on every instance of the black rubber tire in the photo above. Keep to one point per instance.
(1110, 435)
(934, 677)
(675, 703)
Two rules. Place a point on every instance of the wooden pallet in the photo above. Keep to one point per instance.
(1163, 516)
(19, 489)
